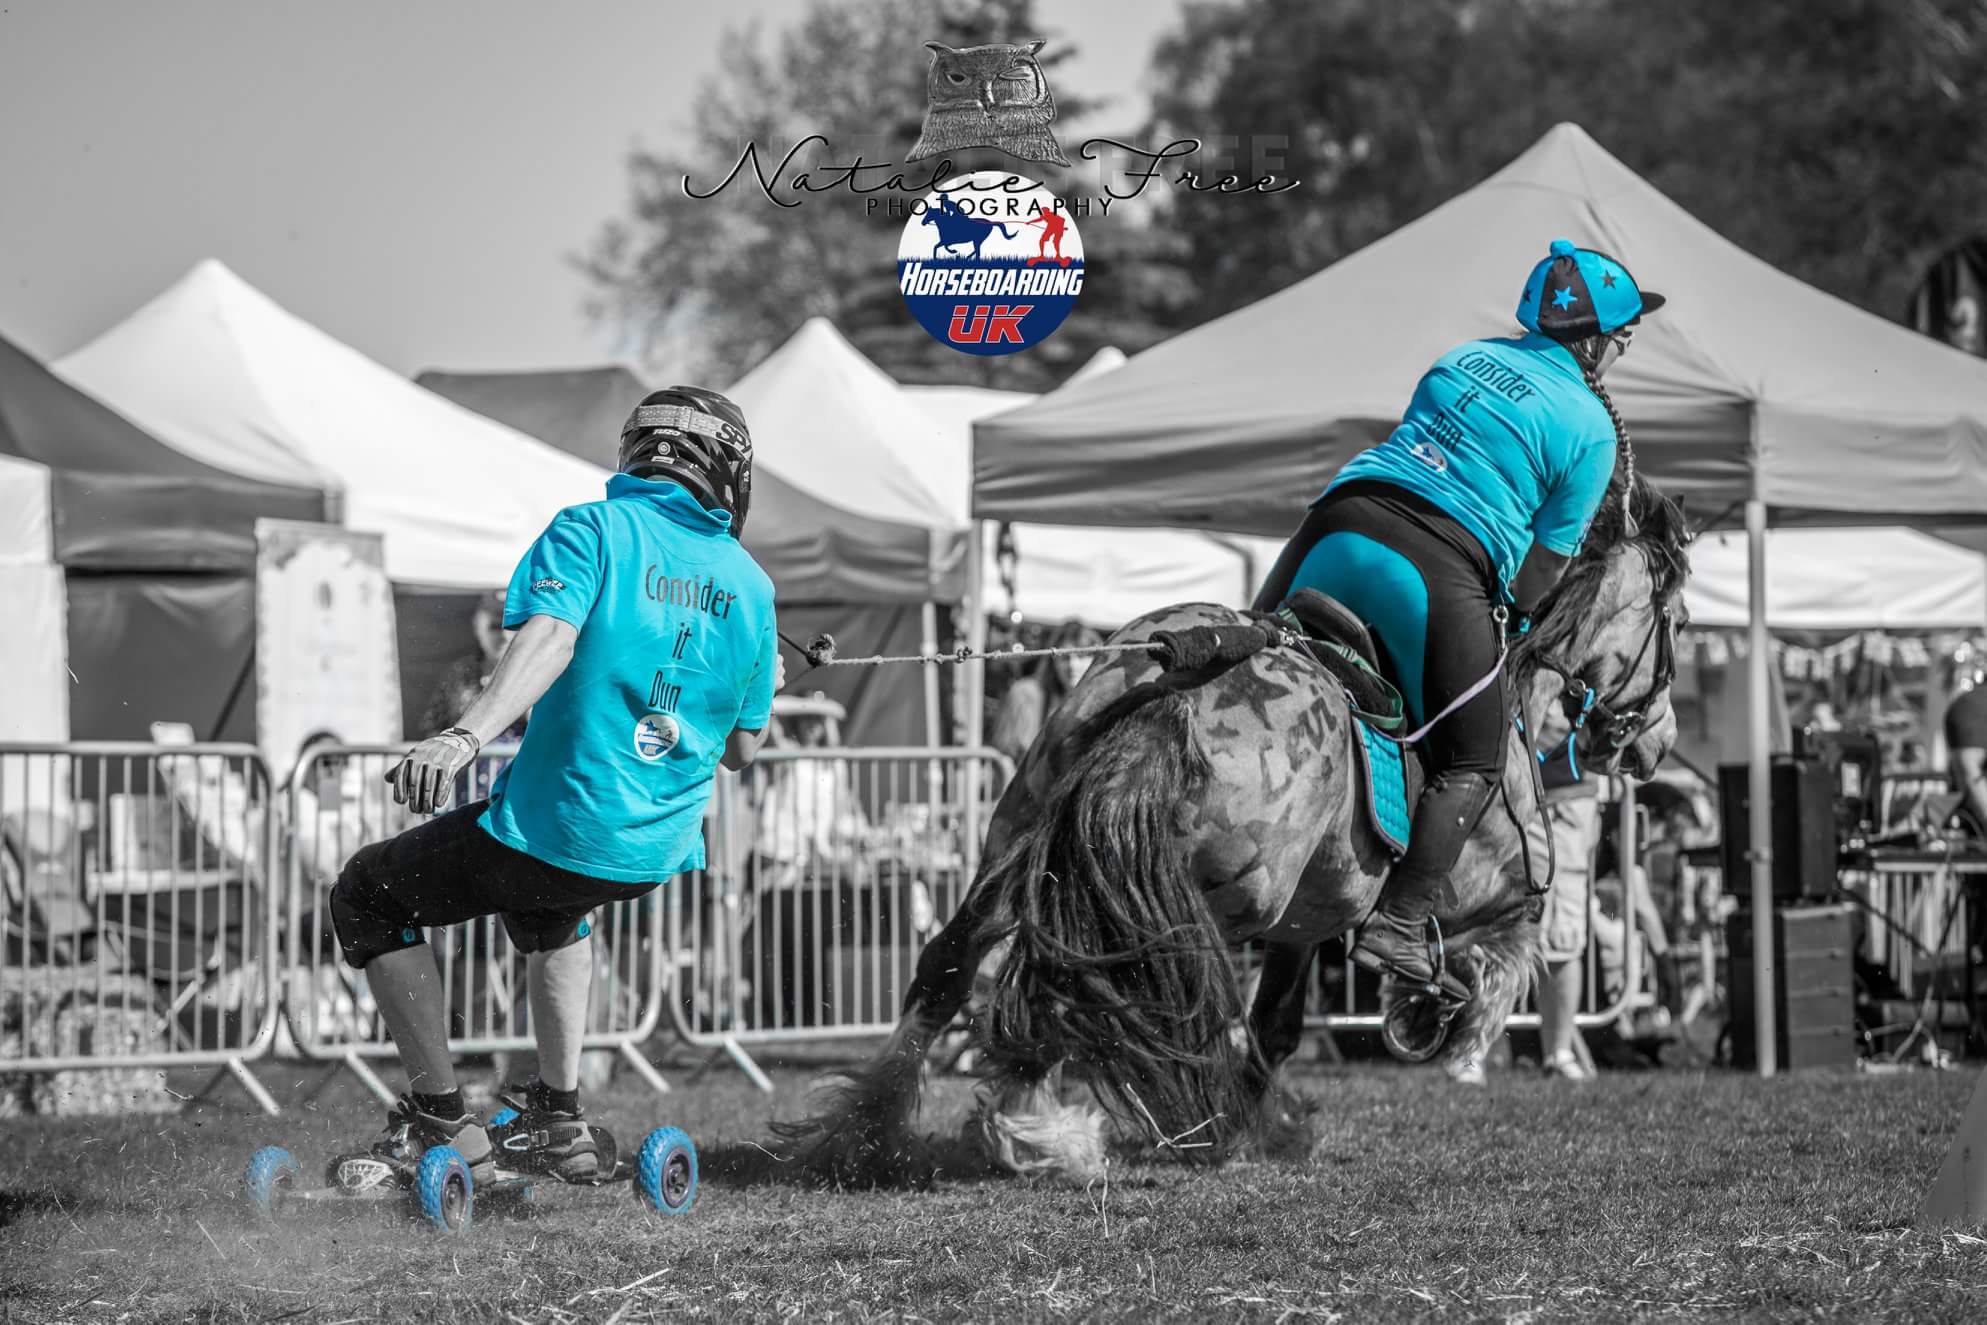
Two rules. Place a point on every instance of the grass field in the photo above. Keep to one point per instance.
(1651, 1195)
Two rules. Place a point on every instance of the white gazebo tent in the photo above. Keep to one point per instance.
(1750, 392)
(217, 370)
(1100, 575)
(1891, 580)
(1824, 580)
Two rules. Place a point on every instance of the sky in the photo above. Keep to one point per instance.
(413, 178)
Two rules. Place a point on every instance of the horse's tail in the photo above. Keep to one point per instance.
(1115, 963)
(1004, 231)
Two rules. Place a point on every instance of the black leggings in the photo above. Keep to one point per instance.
(1458, 638)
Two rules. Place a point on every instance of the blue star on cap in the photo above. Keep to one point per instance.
(1564, 298)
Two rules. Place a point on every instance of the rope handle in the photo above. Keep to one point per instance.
(820, 652)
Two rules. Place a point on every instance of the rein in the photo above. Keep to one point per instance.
(1617, 725)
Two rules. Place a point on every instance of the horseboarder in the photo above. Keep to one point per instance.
(1465, 517)
(647, 653)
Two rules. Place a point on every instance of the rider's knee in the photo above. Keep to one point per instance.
(1471, 789)
(364, 916)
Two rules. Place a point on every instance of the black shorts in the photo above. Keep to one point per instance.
(449, 870)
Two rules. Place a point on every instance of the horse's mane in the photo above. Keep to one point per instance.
(1661, 533)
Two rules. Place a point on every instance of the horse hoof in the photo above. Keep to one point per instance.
(1415, 1028)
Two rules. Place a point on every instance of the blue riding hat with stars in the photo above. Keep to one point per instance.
(1579, 292)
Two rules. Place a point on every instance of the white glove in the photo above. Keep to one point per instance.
(425, 779)
(779, 671)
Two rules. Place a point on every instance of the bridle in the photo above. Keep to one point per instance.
(1613, 723)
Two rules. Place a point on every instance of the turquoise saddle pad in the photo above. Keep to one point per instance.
(1389, 796)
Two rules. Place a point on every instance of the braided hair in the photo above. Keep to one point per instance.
(1587, 352)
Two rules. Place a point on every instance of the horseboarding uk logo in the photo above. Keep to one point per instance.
(990, 263)
(656, 735)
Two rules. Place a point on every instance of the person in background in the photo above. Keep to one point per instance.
(1029, 701)
(808, 817)
(1821, 717)
(1966, 750)
(1670, 823)
(462, 681)
(1573, 817)
(1623, 885)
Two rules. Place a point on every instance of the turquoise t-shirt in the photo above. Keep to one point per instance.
(1506, 437)
(677, 646)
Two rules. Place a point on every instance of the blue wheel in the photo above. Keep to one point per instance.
(666, 1171)
(443, 1186)
(272, 1175)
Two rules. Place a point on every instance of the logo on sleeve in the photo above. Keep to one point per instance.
(547, 584)
(655, 736)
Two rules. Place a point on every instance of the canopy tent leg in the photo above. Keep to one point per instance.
(1759, 789)
(930, 650)
(976, 683)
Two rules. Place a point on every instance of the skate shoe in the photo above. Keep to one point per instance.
(408, 1134)
(530, 1136)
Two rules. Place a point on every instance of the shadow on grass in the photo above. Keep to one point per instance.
(18, 1203)
(926, 1162)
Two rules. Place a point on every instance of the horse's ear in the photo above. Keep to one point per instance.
(939, 48)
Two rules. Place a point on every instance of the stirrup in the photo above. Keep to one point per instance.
(1444, 988)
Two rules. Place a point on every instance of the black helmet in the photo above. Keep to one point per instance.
(699, 439)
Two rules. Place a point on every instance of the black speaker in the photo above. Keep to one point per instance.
(1803, 829)
(1814, 988)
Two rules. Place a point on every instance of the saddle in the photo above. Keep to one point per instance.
(1340, 642)
(1392, 772)
(1347, 652)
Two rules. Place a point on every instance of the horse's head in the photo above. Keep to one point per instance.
(1605, 646)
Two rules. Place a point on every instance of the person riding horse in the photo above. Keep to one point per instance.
(1451, 532)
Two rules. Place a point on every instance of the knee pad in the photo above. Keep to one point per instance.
(364, 918)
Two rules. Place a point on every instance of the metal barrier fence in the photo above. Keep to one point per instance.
(1608, 989)
(830, 869)
(339, 800)
(137, 930)
(150, 892)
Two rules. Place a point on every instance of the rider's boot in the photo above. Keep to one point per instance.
(409, 1133)
(1395, 940)
(536, 1132)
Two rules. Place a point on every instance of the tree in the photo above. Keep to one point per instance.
(1840, 140)
(714, 284)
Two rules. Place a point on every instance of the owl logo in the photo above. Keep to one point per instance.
(988, 96)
